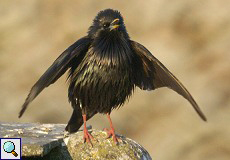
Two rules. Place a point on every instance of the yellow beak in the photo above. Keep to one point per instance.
(115, 26)
(115, 20)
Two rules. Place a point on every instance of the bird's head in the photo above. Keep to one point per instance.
(106, 22)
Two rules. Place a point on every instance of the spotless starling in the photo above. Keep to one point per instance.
(104, 68)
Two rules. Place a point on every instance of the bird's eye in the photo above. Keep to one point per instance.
(106, 25)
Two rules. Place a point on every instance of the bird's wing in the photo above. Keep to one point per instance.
(57, 69)
(152, 74)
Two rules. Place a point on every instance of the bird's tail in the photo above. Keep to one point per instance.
(76, 121)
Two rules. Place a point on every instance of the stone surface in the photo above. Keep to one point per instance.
(48, 141)
(37, 139)
(104, 148)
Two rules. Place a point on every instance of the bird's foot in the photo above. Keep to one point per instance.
(87, 137)
(66, 134)
(111, 133)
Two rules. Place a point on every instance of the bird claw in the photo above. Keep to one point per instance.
(87, 137)
(112, 134)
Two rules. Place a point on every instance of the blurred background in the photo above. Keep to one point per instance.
(190, 37)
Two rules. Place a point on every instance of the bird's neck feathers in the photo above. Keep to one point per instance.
(113, 48)
(114, 38)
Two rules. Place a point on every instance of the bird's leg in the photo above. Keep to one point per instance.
(87, 136)
(111, 132)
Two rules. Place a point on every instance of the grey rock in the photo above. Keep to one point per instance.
(48, 141)
(37, 139)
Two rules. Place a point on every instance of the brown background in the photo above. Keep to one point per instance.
(192, 39)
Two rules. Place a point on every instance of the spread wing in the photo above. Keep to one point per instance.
(57, 69)
(152, 74)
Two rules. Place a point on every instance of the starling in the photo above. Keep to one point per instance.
(104, 68)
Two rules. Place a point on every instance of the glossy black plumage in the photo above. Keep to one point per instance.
(104, 68)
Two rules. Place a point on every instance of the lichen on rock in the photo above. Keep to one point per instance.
(104, 148)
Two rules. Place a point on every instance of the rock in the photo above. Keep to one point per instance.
(47, 141)
(104, 148)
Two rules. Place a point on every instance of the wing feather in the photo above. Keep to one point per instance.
(56, 70)
(152, 74)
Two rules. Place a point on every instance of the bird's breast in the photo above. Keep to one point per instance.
(103, 80)
(112, 63)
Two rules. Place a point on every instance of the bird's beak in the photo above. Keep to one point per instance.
(115, 20)
(114, 25)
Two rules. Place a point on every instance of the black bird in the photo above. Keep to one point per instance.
(104, 68)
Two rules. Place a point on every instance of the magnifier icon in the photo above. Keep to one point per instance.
(9, 147)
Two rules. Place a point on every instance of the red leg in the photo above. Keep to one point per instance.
(111, 132)
(87, 136)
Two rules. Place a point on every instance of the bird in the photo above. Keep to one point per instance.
(105, 67)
